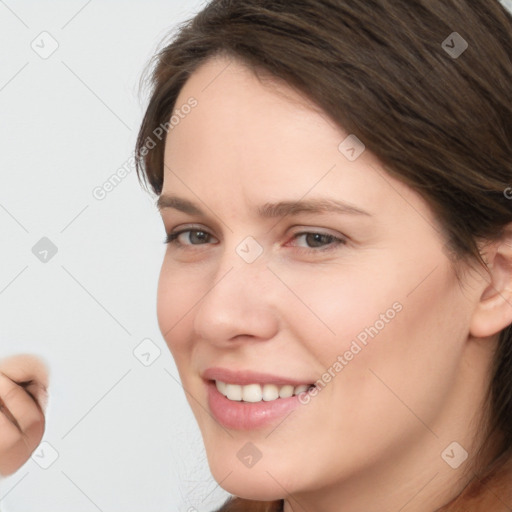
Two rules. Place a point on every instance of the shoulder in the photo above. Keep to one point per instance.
(234, 504)
(492, 492)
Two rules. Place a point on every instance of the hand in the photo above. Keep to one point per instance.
(23, 398)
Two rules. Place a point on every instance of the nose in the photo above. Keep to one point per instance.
(240, 304)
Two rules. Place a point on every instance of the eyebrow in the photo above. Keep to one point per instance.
(269, 210)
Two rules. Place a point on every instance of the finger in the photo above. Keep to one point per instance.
(23, 367)
(37, 392)
(30, 372)
(14, 449)
(17, 404)
(6, 413)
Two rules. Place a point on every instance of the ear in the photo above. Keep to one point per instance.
(493, 312)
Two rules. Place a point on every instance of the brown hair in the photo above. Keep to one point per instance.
(439, 122)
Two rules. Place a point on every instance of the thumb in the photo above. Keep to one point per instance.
(30, 372)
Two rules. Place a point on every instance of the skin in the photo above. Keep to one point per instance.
(23, 395)
(372, 439)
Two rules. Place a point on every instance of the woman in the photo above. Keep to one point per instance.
(334, 178)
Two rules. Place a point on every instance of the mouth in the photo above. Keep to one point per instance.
(257, 392)
(255, 405)
(245, 399)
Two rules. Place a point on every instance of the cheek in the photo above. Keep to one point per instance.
(176, 297)
(408, 363)
(340, 304)
(343, 302)
(374, 322)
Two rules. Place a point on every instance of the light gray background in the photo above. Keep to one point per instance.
(122, 432)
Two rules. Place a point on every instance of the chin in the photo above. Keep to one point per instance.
(249, 489)
(262, 482)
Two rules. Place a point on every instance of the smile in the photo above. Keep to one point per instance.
(259, 392)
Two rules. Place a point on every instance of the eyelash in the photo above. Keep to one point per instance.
(172, 239)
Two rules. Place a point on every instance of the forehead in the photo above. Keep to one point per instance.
(247, 142)
(235, 108)
(241, 124)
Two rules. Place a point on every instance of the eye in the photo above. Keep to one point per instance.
(317, 240)
(199, 235)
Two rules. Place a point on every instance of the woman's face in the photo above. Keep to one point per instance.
(361, 301)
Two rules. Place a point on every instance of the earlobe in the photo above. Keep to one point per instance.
(494, 310)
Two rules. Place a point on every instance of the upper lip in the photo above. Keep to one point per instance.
(244, 377)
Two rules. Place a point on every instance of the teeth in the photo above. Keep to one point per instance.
(234, 392)
(257, 393)
(221, 386)
(286, 391)
(270, 392)
(251, 393)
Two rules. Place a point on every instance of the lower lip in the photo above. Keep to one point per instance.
(248, 415)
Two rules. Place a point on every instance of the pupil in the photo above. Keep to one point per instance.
(201, 237)
(316, 239)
